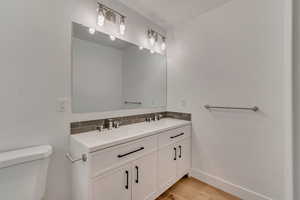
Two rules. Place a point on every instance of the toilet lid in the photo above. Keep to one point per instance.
(20, 156)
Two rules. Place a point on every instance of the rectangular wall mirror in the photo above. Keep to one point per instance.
(114, 75)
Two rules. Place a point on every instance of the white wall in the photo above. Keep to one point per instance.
(235, 55)
(35, 55)
(34, 59)
(97, 77)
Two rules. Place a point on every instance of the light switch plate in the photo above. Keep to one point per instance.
(183, 103)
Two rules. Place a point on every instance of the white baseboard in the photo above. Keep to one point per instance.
(228, 187)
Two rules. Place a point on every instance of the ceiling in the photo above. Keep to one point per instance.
(171, 13)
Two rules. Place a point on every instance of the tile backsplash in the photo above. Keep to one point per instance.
(86, 126)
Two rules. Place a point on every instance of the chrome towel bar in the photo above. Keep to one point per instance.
(254, 109)
(133, 102)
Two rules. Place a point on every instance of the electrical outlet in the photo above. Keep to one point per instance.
(62, 104)
(183, 103)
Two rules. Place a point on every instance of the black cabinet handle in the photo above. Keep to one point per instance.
(126, 154)
(175, 157)
(175, 136)
(180, 151)
(137, 174)
(127, 180)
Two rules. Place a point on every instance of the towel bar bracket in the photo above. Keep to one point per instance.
(83, 158)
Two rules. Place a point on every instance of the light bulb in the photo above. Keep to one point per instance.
(101, 17)
(122, 29)
(152, 40)
(92, 31)
(163, 46)
(141, 47)
(113, 38)
(152, 51)
(122, 26)
(152, 37)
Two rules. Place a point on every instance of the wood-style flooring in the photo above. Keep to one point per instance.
(192, 189)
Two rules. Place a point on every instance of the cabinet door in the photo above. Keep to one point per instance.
(167, 159)
(144, 174)
(113, 185)
(183, 157)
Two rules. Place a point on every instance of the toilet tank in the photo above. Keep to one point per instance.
(23, 173)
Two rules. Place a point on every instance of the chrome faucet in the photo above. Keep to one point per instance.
(155, 117)
(148, 119)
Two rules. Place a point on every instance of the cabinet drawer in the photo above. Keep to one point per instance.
(174, 135)
(113, 157)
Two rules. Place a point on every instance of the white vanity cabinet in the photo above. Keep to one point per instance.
(137, 169)
(184, 158)
(144, 173)
(115, 184)
(136, 181)
(174, 156)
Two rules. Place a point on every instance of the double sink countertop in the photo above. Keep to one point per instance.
(95, 140)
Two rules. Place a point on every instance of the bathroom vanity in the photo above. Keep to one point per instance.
(134, 162)
(139, 160)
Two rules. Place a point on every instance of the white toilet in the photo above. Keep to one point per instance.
(23, 173)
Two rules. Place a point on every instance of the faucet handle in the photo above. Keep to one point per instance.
(100, 127)
(159, 116)
(148, 119)
(116, 124)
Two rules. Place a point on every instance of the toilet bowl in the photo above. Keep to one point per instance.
(23, 173)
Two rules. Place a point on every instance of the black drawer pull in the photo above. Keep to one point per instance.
(175, 136)
(137, 174)
(127, 180)
(175, 157)
(126, 154)
(180, 151)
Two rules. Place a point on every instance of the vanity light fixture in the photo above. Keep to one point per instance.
(108, 14)
(112, 37)
(122, 25)
(92, 31)
(100, 16)
(154, 36)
